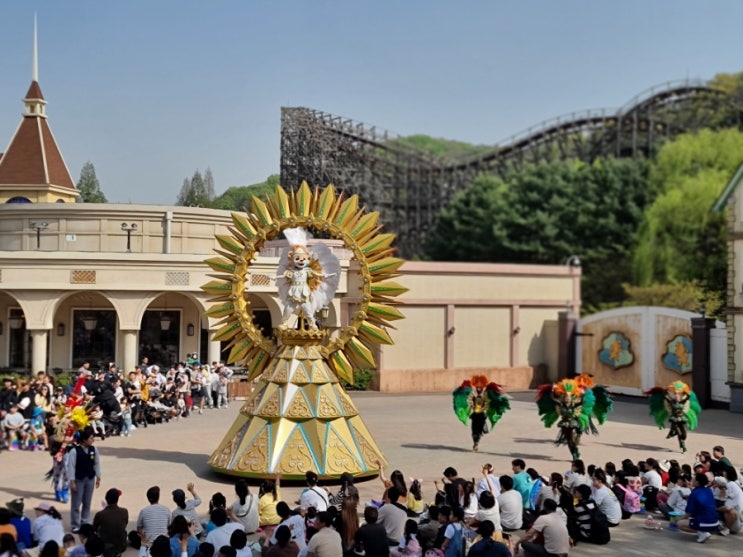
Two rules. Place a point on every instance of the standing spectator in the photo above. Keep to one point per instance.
(110, 524)
(371, 537)
(701, 510)
(47, 526)
(187, 508)
(553, 530)
(244, 510)
(21, 523)
(84, 471)
(326, 542)
(154, 519)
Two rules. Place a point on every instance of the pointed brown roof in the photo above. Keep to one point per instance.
(33, 159)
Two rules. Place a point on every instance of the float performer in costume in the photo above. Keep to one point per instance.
(304, 291)
(679, 405)
(479, 401)
(572, 403)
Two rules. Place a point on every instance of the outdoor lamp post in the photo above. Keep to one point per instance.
(38, 226)
(129, 228)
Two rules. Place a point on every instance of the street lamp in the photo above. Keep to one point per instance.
(165, 321)
(38, 226)
(129, 228)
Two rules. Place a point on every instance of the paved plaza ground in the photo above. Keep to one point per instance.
(419, 435)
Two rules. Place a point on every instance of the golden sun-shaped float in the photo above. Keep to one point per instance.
(299, 417)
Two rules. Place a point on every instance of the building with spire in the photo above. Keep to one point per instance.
(32, 169)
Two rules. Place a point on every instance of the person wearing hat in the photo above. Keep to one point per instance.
(48, 525)
(84, 471)
(187, 508)
(21, 523)
(487, 546)
(110, 524)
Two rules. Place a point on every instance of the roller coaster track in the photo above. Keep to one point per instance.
(410, 186)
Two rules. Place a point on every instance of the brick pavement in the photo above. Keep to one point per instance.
(419, 435)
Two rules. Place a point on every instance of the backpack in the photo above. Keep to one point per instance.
(631, 502)
(599, 527)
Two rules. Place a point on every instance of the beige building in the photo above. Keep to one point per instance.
(104, 282)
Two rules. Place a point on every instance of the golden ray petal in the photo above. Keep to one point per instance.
(261, 212)
(229, 243)
(303, 200)
(347, 211)
(243, 226)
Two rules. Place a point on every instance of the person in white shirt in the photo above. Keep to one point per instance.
(489, 510)
(677, 499)
(511, 505)
(294, 522)
(313, 496)
(576, 476)
(605, 499)
(732, 509)
(651, 477)
(223, 532)
(489, 482)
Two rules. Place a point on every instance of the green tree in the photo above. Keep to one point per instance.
(238, 198)
(547, 213)
(680, 239)
(197, 192)
(691, 296)
(88, 186)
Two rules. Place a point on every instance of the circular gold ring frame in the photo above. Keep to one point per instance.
(322, 211)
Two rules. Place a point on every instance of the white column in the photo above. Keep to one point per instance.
(130, 351)
(38, 350)
(214, 349)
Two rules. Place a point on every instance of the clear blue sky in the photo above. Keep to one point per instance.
(149, 91)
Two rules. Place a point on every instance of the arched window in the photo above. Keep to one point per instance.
(19, 200)
(59, 201)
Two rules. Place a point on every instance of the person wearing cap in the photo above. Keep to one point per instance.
(110, 524)
(187, 508)
(84, 471)
(21, 523)
(47, 526)
(487, 546)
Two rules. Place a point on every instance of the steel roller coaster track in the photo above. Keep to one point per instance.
(409, 187)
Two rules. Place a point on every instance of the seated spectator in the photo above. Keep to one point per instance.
(676, 501)
(453, 544)
(701, 510)
(15, 428)
(294, 522)
(511, 505)
(721, 461)
(521, 481)
(85, 531)
(553, 531)
(583, 525)
(313, 496)
(244, 509)
(731, 511)
(93, 547)
(392, 516)
(577, 475)
(416, 505)
(284, 546)
(223, 530)
(154, 519)
(21, 523)
(5, 526)
(487, 546)
(605, 499)
(552, 490)
(110, 524)
(47, 526)
(489, 511)
(239, 542)
(427, 528)
(182, 539)
(488, 482)
(269, 496)
(187, 508)
(8, 547)
(409, 545)
(371, 537)
(326, 542)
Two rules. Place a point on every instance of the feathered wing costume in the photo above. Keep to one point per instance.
(307, 278)
(678, 404)
(572, 404)
(479, 401)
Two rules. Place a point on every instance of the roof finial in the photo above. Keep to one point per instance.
(35, 65)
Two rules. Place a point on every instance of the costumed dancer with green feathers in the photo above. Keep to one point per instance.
(679, 405)
(572, 403)
(478, 401)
